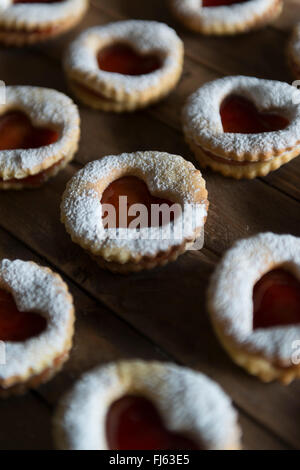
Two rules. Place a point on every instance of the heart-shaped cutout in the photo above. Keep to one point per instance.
(133, 423)
(137, 192)
(239, 115)
(16, 325)
(17, 132)
(219, 3)
(276, 300)
(123, 59)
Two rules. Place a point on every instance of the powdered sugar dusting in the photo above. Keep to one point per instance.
(145, 36)
(188, 402)
(166, 175)
(45, 107)
(5, 3)
(226, 15)
(39, 14)
(36, 289)
(231, 291)
(202, 120)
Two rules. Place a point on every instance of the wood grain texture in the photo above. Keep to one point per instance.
(25, 424)
(139, 316)
(290, 15)
(100, 337)
(196, 73)
(225, 55)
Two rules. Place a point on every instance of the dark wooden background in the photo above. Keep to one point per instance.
(139, 316)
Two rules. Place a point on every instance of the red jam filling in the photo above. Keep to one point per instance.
(17, 132)
(239, 115)
(16, 325)
(225, 161)
(137, 192)
(123, 59)
(219, 3)
(133, 423)
(276, 300)
(33, 180)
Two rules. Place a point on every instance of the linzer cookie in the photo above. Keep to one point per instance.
(135, 211)
(125, 65)
(223, 17)
(135, 405)
(31, 21)
(36, 325)
(254, 304)
(39, 134)
(243, 127)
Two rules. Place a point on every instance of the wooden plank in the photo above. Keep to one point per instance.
(25, 424)
(230, 200)
(237, 209)
(97, 140)
(195, 74)
(227, 206)
(35, 72)
(147, 302)
(226, 55)
(99, 337)
(286, 179)
(290, 15)
(41, 230)
(256, 438)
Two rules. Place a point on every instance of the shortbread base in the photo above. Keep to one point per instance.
(36, 380)
(221, 28)
(96, 101)
(145, 263)
(19, 38)
(247, 171)
(50, 173)
(257, 365)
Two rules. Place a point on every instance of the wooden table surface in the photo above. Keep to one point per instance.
(140, 315)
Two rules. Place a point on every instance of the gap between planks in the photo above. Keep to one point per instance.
(286, 179)
(60, 252)
(159, 11)
(48, 394)
(240, 230)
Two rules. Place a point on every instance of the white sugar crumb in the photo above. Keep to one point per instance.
(225, 15)
(39, 14)
(166, 175)
(202, 120)
(231, 290)
(189, 403)
(45, 107)
(145, 36)
(35, 289)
